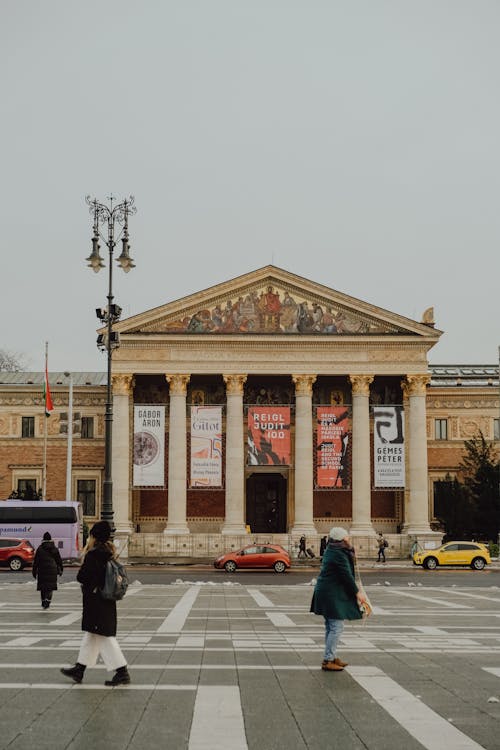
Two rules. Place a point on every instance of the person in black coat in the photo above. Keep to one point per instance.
(47, 565)
(99, 615)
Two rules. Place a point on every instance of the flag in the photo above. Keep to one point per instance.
(47, 398)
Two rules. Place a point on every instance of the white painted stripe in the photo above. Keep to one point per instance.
(82, 686)
(280, 620)
(493, 670)
(67, 619)
(175, 621)
(470, 596)
(421, 722)
(217, 719)
(428, 630)
(259, 598)
(23, 641)
(431, 600)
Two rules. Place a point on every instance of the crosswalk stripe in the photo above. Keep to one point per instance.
(431, 600)
(420, 721)
(217, 719)
(260, 599)
(174, 622)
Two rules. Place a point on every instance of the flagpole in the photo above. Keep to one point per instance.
(44, 470)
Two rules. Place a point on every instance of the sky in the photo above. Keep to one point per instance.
(352, 142)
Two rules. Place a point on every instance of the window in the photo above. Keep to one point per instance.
(441, 429)
(496, 429)
(468, 547)
(43, 514)
(28, 427)
(26, 489)
(450, 548)
(87, 427)
(86, 495)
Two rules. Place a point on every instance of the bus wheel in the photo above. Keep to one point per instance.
(15, 563)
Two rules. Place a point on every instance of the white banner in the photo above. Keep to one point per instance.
(149, 446)
(389, 446)
(206, 446)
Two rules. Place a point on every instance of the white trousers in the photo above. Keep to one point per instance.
(94, 645)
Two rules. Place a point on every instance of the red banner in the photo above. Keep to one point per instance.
(268, 435)
(333, 435)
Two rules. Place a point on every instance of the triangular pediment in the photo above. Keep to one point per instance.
(272, 301)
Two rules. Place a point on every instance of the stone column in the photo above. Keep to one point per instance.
(304, 468)
(121, 459)
(361, 479)
(417, 507)
(234, 521)
(177, 456)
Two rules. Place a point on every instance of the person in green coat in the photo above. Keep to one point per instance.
(336, 596)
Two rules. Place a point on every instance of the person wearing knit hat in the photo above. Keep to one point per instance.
(47, 565)
(99, 619)
(336, 595)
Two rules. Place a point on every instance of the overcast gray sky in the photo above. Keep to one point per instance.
(353, 142)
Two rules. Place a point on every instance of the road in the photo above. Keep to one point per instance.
(235, 665)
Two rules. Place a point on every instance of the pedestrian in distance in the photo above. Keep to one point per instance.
(322, 545)
(382, 544)
(99, 620)
(47, 565)
(302, 547)
(336, 595)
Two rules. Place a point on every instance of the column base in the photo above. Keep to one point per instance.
(124, 528)
(362, 529)
(176, 530)
(303, 528)
(233, 529)
(415, 529)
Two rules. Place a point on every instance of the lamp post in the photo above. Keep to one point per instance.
(109, 216)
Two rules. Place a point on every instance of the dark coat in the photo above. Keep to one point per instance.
(99, 615)
(47, 565)
(335, 591)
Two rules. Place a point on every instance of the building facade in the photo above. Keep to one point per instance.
(266, 407)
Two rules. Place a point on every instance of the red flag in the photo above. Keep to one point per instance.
(47, 398)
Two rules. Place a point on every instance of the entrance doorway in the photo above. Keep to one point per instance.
(266, 503)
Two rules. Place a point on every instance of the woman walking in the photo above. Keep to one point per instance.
(336, 596)
(99, 615)
(47, 565)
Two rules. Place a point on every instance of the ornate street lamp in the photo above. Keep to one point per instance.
(109, 216)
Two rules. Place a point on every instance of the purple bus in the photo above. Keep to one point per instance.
(25, 519)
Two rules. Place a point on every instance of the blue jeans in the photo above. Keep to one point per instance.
(333, 631)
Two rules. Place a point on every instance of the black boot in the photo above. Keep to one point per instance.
(76, 673)
(120, 677)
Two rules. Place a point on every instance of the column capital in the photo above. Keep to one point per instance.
(234, 384)
(122, 384)
(303, 384)
(415, 385)
(361, 384)
(178, 384)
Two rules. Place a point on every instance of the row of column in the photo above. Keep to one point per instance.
(416, 498)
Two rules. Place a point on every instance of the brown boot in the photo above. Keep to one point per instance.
(340, 662)
(331, 666)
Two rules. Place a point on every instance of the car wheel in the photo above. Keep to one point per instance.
(279, 566)
(15, 563)
(430, 563)
(230, 566)
(478, 563)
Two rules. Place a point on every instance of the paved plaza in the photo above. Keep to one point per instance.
(219, 666)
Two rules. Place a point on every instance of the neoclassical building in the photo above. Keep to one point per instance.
(260, 409)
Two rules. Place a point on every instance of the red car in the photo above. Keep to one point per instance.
(255, 556)
(16, 553)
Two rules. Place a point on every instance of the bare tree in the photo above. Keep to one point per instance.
(11, 361)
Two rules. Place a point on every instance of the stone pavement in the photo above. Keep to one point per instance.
(221, 666)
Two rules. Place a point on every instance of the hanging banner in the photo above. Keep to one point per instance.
(149, 446)
(206, 446)
(332, 442)
(268, 435)
(389, 447)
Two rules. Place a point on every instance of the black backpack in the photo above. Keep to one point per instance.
(115, 581)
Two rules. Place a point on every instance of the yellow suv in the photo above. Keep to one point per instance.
(454, 553)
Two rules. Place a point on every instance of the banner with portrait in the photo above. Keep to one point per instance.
(388, 446)
(268, 439)
(206, 446)
(333, 435)
(149, 446)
